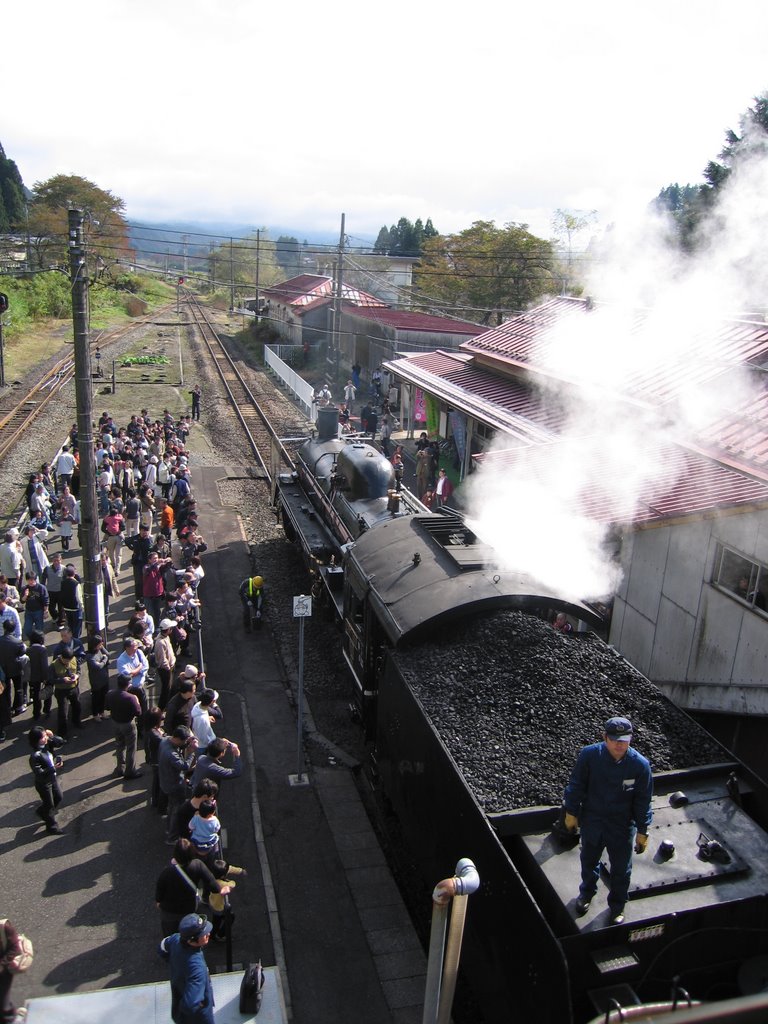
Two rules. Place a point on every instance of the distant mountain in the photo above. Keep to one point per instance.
(173, 236)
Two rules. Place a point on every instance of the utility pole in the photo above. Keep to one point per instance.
(93, 584)
(258, 243)
(231, 276)
(337, 302)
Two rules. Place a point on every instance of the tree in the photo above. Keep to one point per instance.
(12, 201)
(237, 263)
(288, 254)
(753, 139)
(566, 225)
(490, 271)
(404, 238)
(106, 227)
(688, 205)
(382, 243)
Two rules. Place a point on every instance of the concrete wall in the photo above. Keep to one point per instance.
(703, 646)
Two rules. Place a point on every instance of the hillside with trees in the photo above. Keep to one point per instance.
(688, 205)
(12, 194)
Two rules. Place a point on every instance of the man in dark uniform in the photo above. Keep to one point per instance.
(609, 795)
(191, 989)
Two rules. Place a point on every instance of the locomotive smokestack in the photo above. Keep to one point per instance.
(327, 423)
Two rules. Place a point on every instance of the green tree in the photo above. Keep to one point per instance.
(381, 245)
(238, 263)
(567, 224)
(752, 139)
(404, 238)
(688, 205)
(486, 272)
(12, 201)
(288, 254)
(106, 226)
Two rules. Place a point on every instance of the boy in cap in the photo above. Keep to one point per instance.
(191, 989)
(609, 795)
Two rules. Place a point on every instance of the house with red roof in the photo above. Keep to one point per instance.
(302, 309)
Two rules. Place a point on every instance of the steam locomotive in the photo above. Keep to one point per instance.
(460, 758)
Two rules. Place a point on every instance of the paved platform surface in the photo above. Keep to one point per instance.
(151, 1004)
(319, 902)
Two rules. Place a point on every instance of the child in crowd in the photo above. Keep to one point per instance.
(204, 830)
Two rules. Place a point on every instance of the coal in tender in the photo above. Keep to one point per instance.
(514, 702)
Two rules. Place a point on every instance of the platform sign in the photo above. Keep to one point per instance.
(302, 609)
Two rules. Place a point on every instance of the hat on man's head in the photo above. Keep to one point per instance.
(191, 671)
(619, 729)
(166, 624)
(193, 926)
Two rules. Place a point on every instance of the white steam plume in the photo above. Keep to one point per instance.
(659, 316)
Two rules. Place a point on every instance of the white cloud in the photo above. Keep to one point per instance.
(484, 111)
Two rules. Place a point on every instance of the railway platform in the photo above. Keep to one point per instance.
(319, 903)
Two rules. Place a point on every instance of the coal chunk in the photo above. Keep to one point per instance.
(514, 701)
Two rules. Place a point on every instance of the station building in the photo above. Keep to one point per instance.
(692, 538)
(302, 310)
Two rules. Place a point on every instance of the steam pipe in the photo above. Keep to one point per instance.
(441, 984)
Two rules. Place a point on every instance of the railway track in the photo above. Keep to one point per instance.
(258, 430)
(27, 409)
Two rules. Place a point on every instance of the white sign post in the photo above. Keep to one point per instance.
(302, 609)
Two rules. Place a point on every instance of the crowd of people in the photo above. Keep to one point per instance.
(138, 672)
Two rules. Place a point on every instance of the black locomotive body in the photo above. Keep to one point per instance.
(423, 602)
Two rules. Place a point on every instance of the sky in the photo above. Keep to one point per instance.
(290, 114)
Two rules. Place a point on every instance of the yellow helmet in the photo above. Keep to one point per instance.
(257, 581)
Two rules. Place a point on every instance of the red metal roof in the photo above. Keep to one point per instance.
(310, 290)
(724, 466)
(685, 484)
(481, 393)
(405, 320)
(538, 341)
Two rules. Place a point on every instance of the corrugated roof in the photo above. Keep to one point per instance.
(478, 388)
(310, 290)
(534, 340)
(406, 320)
(687, 484)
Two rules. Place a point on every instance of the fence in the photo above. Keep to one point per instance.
(278, 358)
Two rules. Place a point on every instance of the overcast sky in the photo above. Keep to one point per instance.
(290, 113)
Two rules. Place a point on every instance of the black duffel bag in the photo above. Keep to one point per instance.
(251, 989)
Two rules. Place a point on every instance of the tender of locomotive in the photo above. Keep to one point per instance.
(475, 709)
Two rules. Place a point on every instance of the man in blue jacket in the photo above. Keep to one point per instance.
(191, 989)
(609, 795)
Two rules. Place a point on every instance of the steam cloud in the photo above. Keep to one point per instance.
(529, 509)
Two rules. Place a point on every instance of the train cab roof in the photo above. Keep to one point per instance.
(424, 570)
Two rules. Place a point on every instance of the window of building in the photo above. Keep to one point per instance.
(741, 577)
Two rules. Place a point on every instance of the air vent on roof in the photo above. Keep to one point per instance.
(453, 534)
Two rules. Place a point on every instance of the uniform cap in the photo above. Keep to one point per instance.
(619, 729)
(194, 925)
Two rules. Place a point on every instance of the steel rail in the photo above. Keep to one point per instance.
(255, 422)
(27, 409)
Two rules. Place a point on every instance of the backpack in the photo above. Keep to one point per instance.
(252, 989)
